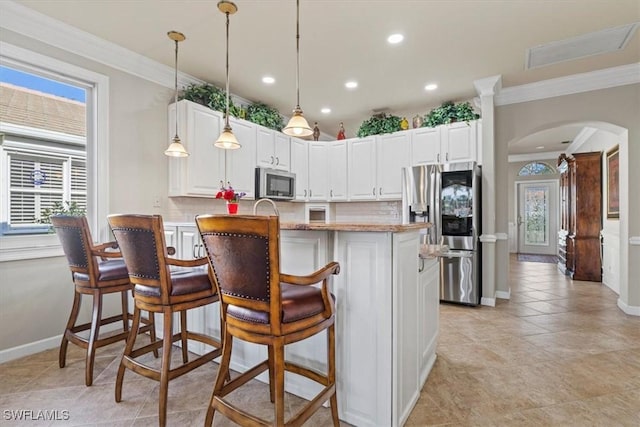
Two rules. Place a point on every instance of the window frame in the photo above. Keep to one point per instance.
(97, 149)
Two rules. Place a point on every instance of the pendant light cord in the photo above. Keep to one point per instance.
(297, 54)
(176, 90)
(227, 115)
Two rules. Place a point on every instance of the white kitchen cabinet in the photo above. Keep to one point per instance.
(458, 143)
(455, 142)
(318, 175)
(428, 314)
(300, 166)
(273, 149)
(393, 154)
(337, 170)
(200, 174)
(375, 166)
(425, 146)
(361, 158)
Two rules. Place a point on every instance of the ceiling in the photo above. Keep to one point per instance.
(448, 42)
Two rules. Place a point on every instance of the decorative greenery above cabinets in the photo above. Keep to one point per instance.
(262, 114)
(449, 112)
(378, 124)
(215, 98)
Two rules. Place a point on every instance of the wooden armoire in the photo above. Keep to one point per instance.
(579, 249)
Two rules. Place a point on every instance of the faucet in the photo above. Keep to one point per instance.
(273, 205)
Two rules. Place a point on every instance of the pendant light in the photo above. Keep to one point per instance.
(176, 149)
(227, 139)
(298, 125)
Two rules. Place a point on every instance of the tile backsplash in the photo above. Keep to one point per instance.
(185, 209)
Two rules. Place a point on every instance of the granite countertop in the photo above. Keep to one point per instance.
(338, 226)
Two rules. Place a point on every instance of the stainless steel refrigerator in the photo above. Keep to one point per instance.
(449, 197)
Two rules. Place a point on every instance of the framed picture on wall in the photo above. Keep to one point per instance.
(613, 183)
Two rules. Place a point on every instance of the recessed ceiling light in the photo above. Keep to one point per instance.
(325, 110)
(351, 85)
(395, 38)
(539, 147)
(268, 80)
(431, 86)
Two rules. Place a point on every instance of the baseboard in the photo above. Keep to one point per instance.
(629, 309)
(44, 344)
(503, 294)
(491, 302)
(29, 348)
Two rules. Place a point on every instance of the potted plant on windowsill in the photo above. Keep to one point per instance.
(60, 208)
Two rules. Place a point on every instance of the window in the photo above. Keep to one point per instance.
(62, 156)
(536, 168)
(44, 149)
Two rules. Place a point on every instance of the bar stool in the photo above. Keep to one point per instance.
(95, 270)
(264, 306)
(161, 285)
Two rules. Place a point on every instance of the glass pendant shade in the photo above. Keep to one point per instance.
(227, 140)
(298, 125)
(176, 149)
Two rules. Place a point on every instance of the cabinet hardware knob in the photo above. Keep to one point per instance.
(447, 157)
(374, 191)
(271, 159)
(277, 161)
(309, 192)
(438, 157)
(380, 192)
(331, 193)
(305, 193)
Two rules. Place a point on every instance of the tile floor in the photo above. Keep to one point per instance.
(559, 353)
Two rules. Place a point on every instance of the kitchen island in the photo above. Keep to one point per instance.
(386, 322)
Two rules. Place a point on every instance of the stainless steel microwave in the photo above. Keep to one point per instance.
(275, 184)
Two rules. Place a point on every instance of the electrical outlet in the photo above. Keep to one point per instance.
(157, 202)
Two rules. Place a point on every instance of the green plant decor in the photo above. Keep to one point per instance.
(262, 114)
(449, 112)
(379, 124)
(208, 95)
(60, 208)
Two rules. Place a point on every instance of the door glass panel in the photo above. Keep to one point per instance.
(536, 216)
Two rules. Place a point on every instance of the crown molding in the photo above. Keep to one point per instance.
(577, 83)
(25, 21)
(488, 86)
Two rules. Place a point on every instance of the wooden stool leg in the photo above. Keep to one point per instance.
(131, 340)
(166, 365)
(73, 317)
(152, 331)
(278, 355)
(221, 377)
(125, 311)
(96, 315)
(272, 371)
(183, 336)
(331, 363)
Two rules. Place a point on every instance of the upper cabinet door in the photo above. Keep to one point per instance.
(273, 149)
(392, 155)
(459, 142)
(282, 151)
(425, 146)
(318, 176)
(240, 163)
(265, 148)
(337, 170)
(361, 158)
(300, 166)
(201, 172)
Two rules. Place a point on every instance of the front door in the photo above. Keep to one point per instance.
(538, 217)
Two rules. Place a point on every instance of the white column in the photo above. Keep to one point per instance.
(487, 89)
